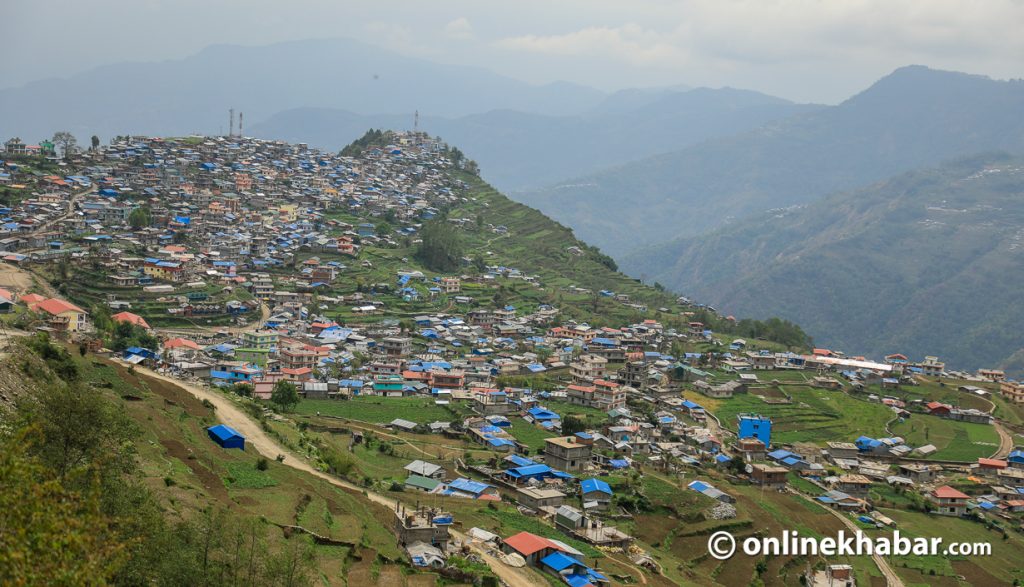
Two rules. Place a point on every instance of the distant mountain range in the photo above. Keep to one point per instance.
(195, 93)
(518, 149)
(913, 117)
(929, 262)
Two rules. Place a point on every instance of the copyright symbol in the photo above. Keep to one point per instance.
(721, 545)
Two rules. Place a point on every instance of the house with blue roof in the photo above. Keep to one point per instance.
(527, 473)
(596, 494)
(572, 571)
(1016, 459)
(542, 415)
(519, 460)
(463, 487)
(226, 436)
(709, 491)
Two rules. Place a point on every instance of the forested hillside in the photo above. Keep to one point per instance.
(926, 263)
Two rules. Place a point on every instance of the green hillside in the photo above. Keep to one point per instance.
(925, 263)
(116, 467)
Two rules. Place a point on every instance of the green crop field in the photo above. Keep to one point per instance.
(529, 434)
(815, 415)
(378, 410)
(956, 441)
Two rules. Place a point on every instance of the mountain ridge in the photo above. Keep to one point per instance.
(791, 161)
(179, 96)
(516, 149)
(895, 267)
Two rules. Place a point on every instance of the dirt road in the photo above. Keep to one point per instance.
(231, 414)
(1005, 441)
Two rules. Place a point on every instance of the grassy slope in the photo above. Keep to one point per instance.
(534, 244)
(188, 472)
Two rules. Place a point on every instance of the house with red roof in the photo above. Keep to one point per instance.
(7, 300)
(938, 409)
(131, 319)
(533, 548)
(31, 299)
(990, 466)
(180, 343)
(63, 315)
(948, 501)
(299, 374)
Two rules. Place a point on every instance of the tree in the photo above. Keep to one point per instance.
(285, 395)
(573, 424)
(66, 141)
(441, 248)
(139, 218)
(95, 142)
(51, 535)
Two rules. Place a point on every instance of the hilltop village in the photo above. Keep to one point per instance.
(377, 294)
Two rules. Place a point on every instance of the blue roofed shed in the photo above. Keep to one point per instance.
(226, 436)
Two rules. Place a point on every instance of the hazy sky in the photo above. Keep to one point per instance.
(808, 50)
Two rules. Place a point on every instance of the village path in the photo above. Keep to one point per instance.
(891, 578)
(232, 415)
(1005, 441)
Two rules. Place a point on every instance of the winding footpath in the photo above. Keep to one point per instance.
(228, 412)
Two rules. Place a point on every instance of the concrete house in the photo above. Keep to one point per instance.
(948, 501)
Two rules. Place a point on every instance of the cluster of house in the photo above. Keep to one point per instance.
(55, 314)
(997, 485)
(425, 534)
(184, 215)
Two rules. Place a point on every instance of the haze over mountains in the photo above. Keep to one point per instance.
(194, 94)
(519, 149)
(913, 117)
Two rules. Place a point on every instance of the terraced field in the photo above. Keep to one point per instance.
(956, 441)
(814, 415)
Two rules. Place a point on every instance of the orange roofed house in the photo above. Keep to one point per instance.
(533, 548)
(948, 501)
(131, 319)
(63, 315)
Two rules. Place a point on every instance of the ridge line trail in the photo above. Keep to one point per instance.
(231, 414)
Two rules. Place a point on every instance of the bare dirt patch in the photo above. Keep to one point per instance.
(17, 280)
(211, 482)
(975, 574)
(175, 395)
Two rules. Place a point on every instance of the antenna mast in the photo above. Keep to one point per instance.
(240, 115)
(416, 122)
(231, 122)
